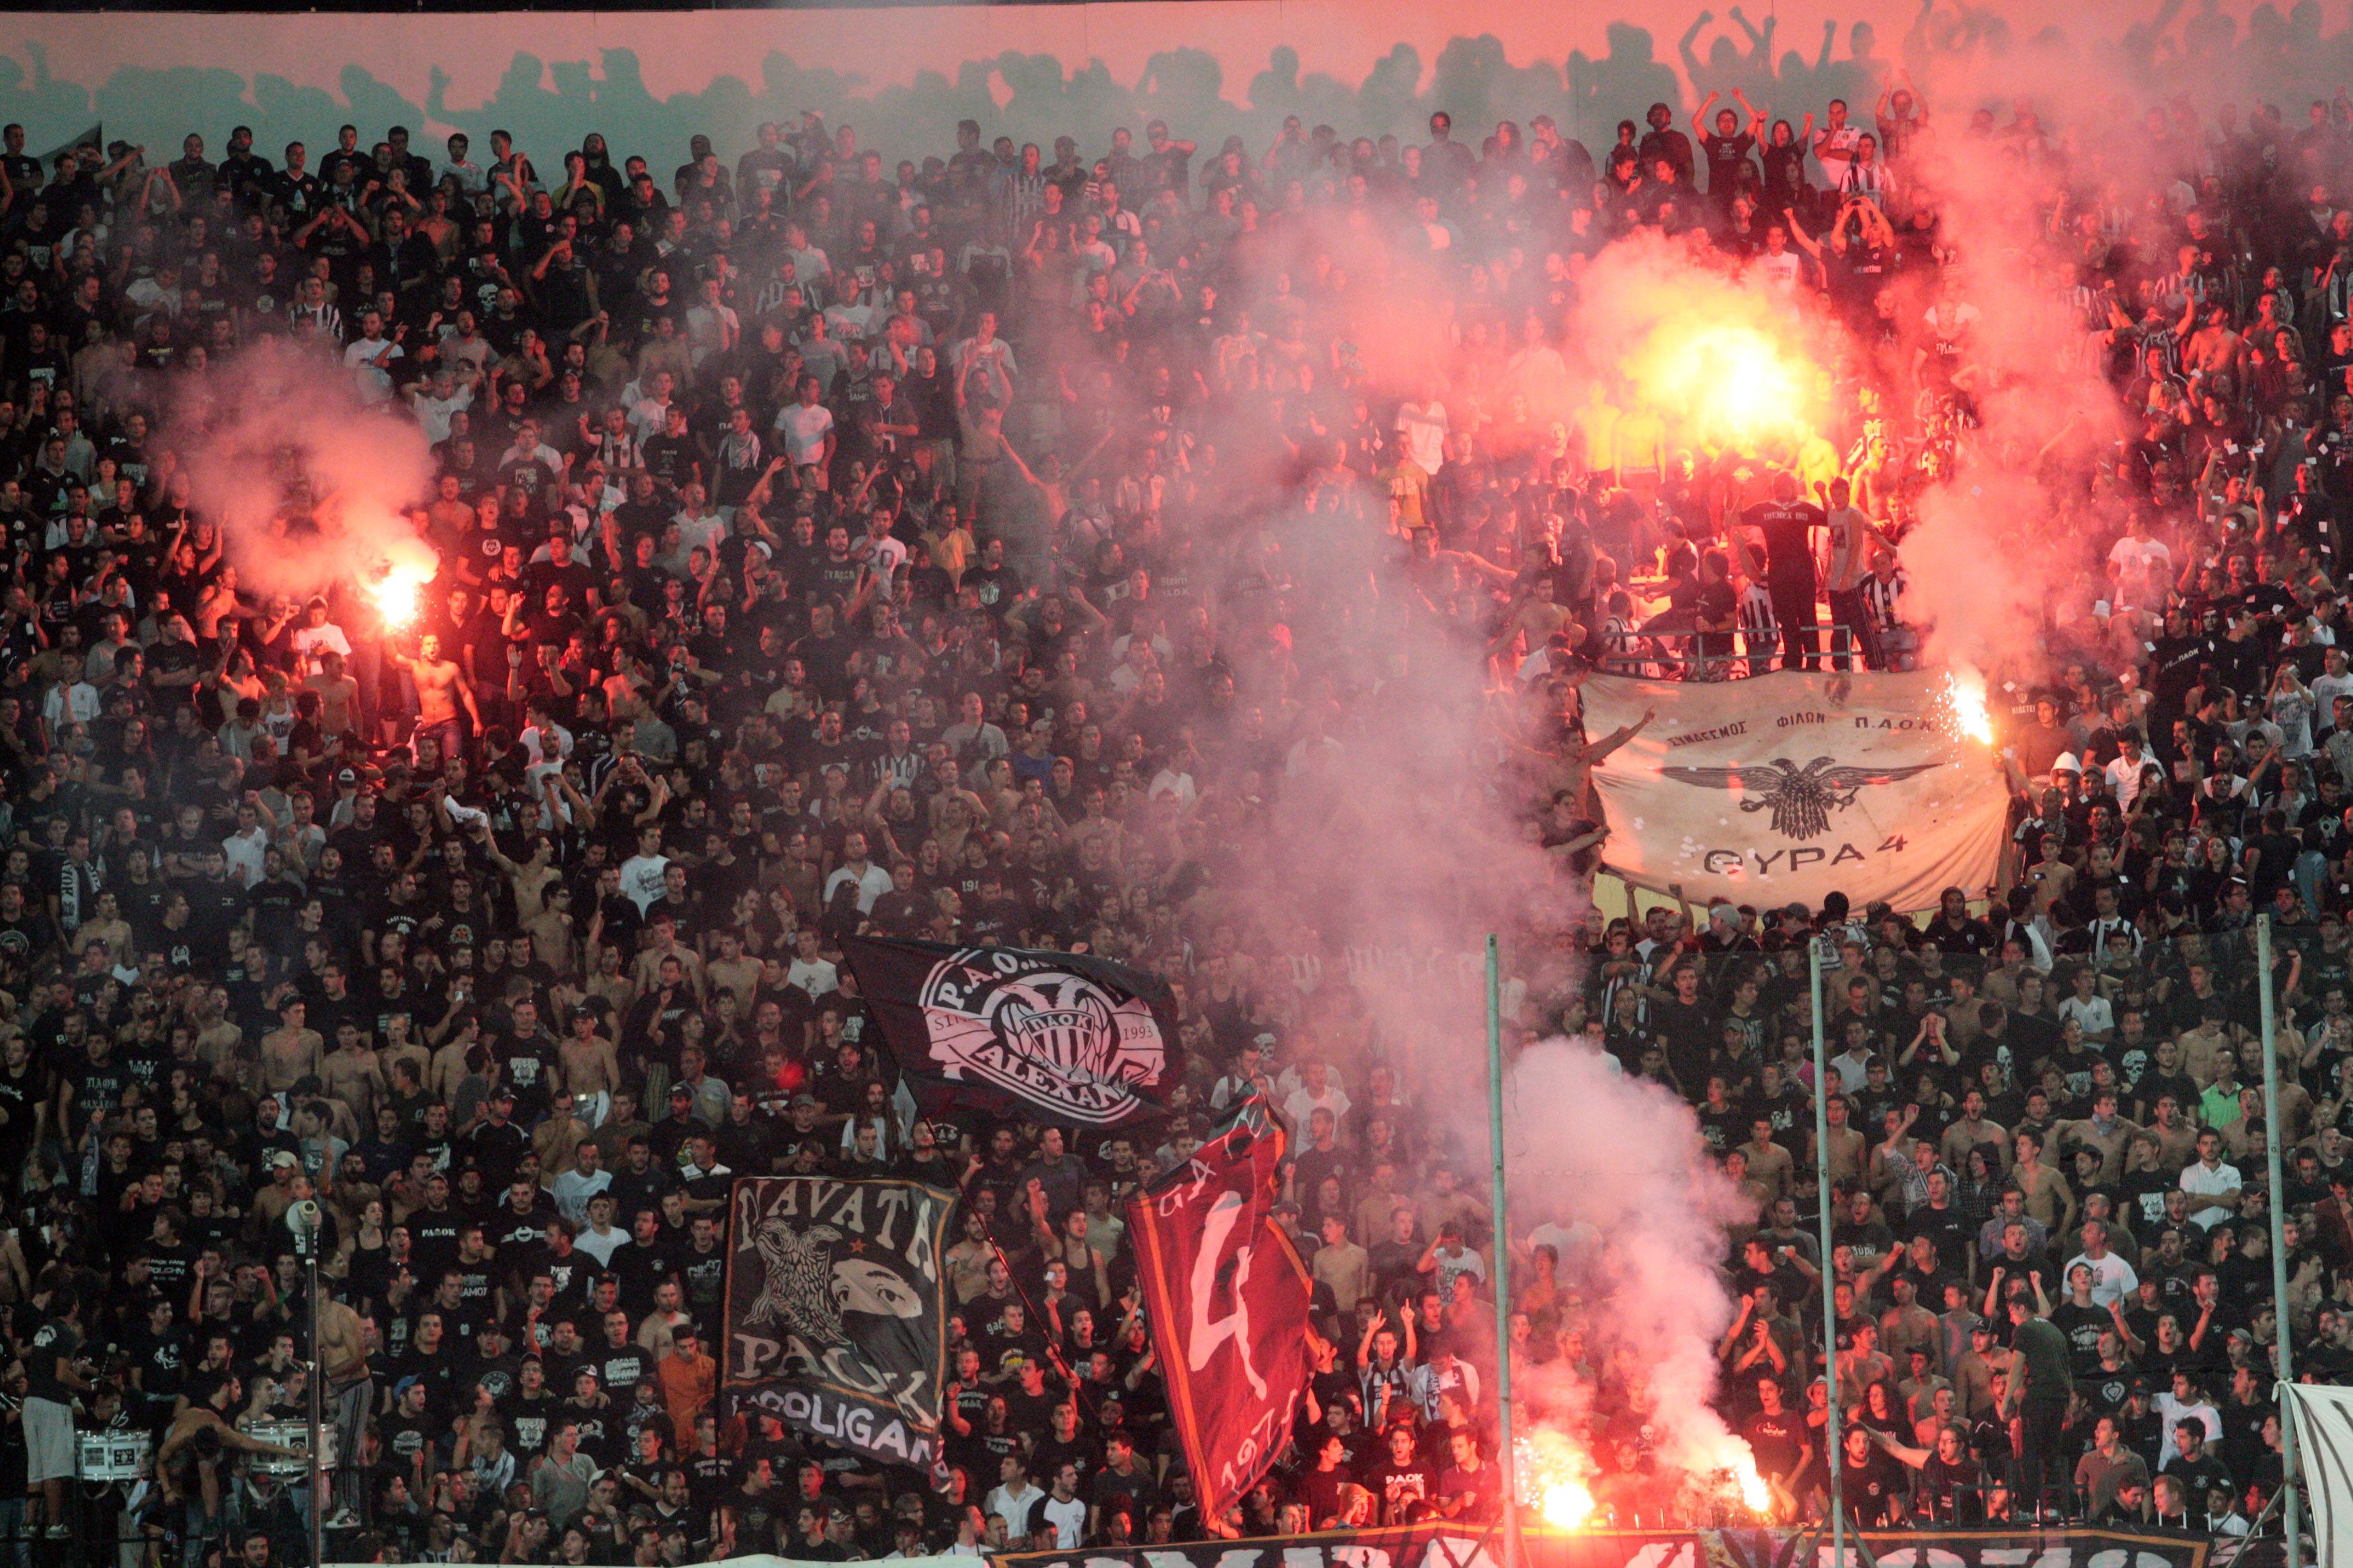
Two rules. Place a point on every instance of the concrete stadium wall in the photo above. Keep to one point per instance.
(1212, 68)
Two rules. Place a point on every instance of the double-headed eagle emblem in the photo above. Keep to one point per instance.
(807, 1289)
(1801, 799)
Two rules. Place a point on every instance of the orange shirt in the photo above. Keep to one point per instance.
(687, 1384)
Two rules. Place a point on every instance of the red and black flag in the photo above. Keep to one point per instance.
(1229, 1301)
(1065, 1039)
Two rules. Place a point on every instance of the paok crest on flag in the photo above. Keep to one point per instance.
(1065, 1039)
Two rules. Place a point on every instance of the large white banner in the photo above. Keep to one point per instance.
(2324, 1440)
(1779, 789)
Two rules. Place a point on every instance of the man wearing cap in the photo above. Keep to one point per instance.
(1728, 930)
(497, 1141)
(406, 1432)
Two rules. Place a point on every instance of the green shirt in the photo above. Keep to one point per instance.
(2219, 1107)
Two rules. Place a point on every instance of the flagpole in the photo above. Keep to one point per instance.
(1829, 1275)
(1507, 1460)
(2277, 1208)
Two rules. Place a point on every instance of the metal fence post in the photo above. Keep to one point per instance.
(2289, 1513)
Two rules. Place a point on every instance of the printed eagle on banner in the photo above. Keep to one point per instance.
(807, 1289)
(1801, 799)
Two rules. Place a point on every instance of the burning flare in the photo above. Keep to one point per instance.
(1566, 1505)
(1553, 1473)
(398, 589)
(1965, 703)
(1755, 1495)
(1724, 380)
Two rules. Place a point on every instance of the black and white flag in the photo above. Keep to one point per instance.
(1059, 1038)
(836, 1310)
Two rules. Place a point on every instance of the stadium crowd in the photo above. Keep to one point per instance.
(830, 546)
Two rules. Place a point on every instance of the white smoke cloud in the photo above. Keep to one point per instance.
(312, 485)
(1619, 1164)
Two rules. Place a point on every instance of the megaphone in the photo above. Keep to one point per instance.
(302, 1219)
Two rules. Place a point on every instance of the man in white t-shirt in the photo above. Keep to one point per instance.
(641, 873)
(2113, 1279)
(445, 393)
(369, 356)
(872, 881)
(2128, 770)
(2140, 566)
(245, 847)
(1421, 431)
(317, 636)
(1834, 145)
(810, 972)
(2334, 680)
(2213, 1186)
(807, 426)
(1065, 1510)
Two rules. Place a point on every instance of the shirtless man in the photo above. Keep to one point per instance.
(220, 1044)
(1535, 613)
(354, 1075)
(442, 687)
(449, 1062)
(401, 1045)
(530, 880)
(338, 695)
(289, 1052)
(344, 1346)
(196, 1417)
(2214, 351)
(592, 1070)
(732, 970)
(1570, 769)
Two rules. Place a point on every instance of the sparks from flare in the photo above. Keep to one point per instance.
(398, 591)
(1965, 705)
(1552, 1478)
(1755, 1495)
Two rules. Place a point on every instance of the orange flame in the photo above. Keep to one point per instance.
(1965, 698)
(1724, 380)
(1553, 1473)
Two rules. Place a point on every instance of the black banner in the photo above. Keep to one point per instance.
(836, 1310)
(1059, 1037)
(1453, 1546)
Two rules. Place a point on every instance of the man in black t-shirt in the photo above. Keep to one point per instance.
(1401, 1478)
(1786, 524)
(1872, 1484)
(1776, 1436)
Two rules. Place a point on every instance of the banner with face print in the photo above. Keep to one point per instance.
(1228, 1303)
(1779, 789)
(836, 1310)
(1064, 1038)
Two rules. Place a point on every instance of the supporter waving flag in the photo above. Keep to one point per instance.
(1057, 1038)
(1229, 1301)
